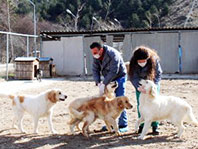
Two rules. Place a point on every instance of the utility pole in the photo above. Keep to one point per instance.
(34, 27)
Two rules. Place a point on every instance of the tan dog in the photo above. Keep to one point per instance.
(76, 116)
(38, 106)
(155, 107)
(107, 110)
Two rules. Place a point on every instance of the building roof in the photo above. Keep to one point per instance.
(117, 30)
(45, 59)
(56, 35)
(26, 59)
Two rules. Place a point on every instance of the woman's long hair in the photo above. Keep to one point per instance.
(143, 52)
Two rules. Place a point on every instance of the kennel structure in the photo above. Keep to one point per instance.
(176, 46)
(25, 67)
(47, 67)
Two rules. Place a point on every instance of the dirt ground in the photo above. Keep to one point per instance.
(74, 88)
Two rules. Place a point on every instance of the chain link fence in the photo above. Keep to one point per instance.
(13, 45)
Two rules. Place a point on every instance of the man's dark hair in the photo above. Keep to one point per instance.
(95, 45)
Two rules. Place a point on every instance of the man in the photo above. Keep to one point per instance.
(109, 62)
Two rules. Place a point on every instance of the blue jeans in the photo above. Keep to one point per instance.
(120, 91)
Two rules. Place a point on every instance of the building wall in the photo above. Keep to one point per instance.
(54, 49)
(126, 49)
(166, 45)
(189, 44)
(89, 58)
(69, 58)
(67, 55)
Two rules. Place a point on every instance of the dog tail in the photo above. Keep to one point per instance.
(190, 116)
(78, 114)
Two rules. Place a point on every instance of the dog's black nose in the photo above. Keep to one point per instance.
(65, 96)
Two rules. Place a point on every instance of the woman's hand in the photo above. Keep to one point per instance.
(141, 89)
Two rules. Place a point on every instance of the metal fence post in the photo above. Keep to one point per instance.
(7, 51)
(28, 46)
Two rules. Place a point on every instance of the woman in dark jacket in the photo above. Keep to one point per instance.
(144, 64)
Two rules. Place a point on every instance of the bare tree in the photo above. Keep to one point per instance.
(80, 7)
(108, 10)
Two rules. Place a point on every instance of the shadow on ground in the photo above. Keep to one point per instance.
(97, 140)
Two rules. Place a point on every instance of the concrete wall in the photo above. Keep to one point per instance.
(166, 45)
(67, 55)
(54, 49)
(126, 49)
(109, 40)
(89, 58)
(189, 44)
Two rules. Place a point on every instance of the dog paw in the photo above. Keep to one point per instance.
(72, 133)
(54, 132)
(78, 129)
(141, 137)
(23, 131)
(118, 133)
(86, 135)
(178, 136)
(35, 132)
(15, 126)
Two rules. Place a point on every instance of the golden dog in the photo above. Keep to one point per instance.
(109, 93)
(107, 110)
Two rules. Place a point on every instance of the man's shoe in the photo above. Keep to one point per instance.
(123, 128)
(155, 131)
(104, 128)
(140, 129)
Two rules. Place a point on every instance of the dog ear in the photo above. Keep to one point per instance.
(120, 103)
(153, 91)
(52, 96)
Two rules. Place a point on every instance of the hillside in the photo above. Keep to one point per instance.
(178, 12)
(17, 16)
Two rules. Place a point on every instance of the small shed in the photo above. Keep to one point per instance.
(47, 66)
(25, 67)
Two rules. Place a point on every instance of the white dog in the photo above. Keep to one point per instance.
(154, 107)
(38, 106)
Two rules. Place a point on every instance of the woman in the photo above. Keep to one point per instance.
(144, 64)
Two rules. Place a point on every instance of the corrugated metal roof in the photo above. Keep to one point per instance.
(22, 59)
(48, 33)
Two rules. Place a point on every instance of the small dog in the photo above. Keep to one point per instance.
(107, 110)
(38, 106)
(76, 117)
(154, 107)
(39, 74)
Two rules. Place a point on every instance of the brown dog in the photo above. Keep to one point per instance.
(76, 116)
(107, 110)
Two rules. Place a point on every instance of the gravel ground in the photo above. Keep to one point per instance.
(76, 87)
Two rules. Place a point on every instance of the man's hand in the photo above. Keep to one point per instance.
(101, 88)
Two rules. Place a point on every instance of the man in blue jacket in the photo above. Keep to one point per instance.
(109, 63)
